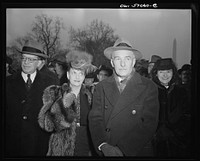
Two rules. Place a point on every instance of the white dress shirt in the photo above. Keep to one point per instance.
(25, 77)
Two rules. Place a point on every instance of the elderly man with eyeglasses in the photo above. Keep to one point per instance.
(24, 90)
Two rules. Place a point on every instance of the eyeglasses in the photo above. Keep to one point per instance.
(29, 60)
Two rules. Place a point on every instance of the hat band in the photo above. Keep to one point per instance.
(31, 49)
(124, 44)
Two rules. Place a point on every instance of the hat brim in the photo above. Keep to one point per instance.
(108, 52)
(32, 53)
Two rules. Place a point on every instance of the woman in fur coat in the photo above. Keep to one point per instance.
(65, 110)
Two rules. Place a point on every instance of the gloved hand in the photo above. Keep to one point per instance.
(109, 150)
(68, 99)
(65, 124)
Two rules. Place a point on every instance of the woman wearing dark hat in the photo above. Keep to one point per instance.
(60, 67)
(171, 139)
(66, 108)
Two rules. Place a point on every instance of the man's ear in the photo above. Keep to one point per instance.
(111, 62)
(134, 61)
(68, 74)
(39, 63)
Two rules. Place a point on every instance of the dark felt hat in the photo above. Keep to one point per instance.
(154, 58)
(164, 64)
(33, 48)
(59, 58)
(186, 67)
(121, 44)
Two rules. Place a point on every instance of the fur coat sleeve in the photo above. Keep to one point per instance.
(58, 111)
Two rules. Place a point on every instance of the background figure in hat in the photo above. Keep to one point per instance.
(185, 74)
(60, 67)
(154, 59)
(42, 67)
(24, 90)
(124, 113)
(90, 80)
(8, 66)
(104, 72)
(65, 110)
(100, 74)
(172, 137)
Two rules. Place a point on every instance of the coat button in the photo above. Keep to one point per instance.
(106, 106)
(25, 117)
(134, 112)
(107, 129)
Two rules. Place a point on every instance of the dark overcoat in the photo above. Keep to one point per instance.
(23, 135)
(127, 120)
(173, 133)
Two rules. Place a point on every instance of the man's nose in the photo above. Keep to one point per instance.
(122, 63)
(77, 76)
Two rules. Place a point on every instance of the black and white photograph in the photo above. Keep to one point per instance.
(98, 82)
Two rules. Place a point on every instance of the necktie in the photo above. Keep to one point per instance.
(29, 82)
(122, 85)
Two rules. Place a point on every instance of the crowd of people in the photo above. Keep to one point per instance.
(69, 107)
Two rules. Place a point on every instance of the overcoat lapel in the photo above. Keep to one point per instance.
(84, 107)
(111, 95)
(18, 85)
(133, 88)
(38, 82)
(111, 91)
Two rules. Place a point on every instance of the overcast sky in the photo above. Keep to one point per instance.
(150, 31)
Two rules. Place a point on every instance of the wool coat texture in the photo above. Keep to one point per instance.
(127, 120)
(173, 136)
(60, 114)
(23, 136)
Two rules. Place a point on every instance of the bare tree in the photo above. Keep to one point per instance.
(47, 31)
(19, 42)
(94, 38)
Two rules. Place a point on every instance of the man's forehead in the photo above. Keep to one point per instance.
(123, 53)
(77, 70)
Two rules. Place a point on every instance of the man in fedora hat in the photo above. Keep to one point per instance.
(124, 113)
(154, 59)
(24, 90)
